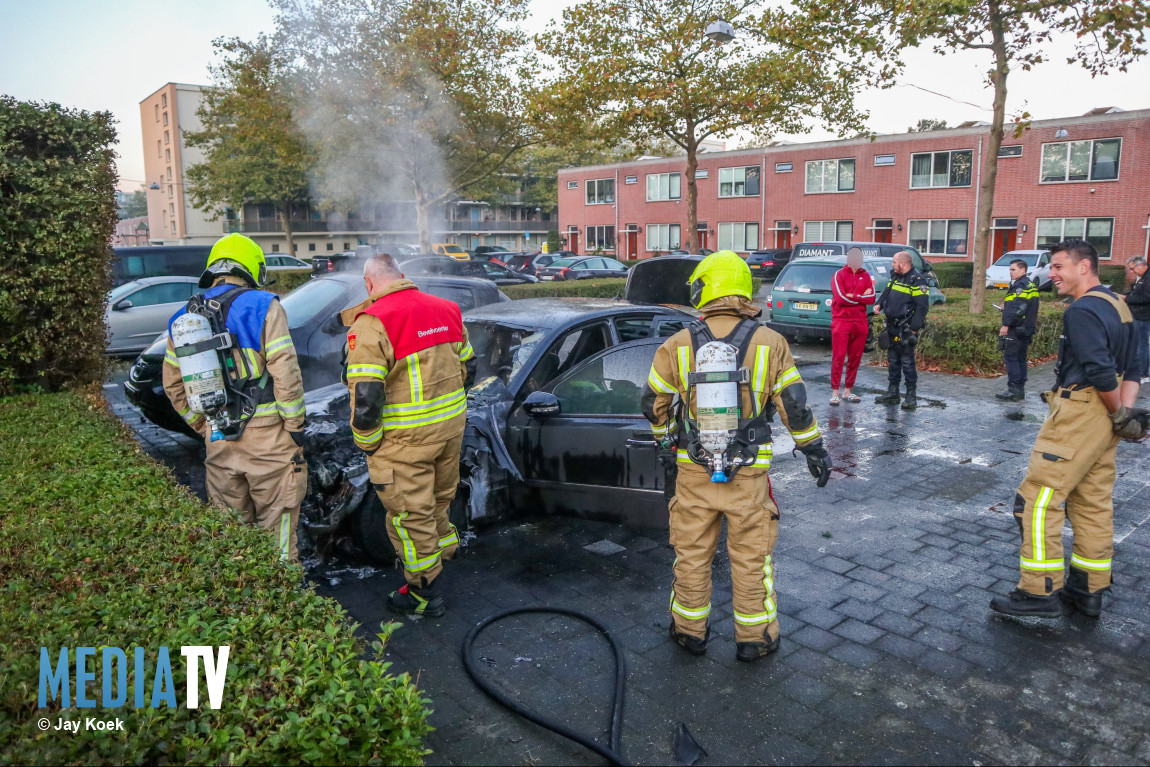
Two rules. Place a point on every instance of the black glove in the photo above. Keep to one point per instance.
(818, 463)
(1130, 423)
(297, 437)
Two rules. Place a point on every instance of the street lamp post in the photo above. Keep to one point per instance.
(720, 31)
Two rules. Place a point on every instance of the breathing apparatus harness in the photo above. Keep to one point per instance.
(744, 440)
(244, 393)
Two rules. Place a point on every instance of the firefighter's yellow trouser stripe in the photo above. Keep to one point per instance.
(770, 612)
(687, 612)
(449, 540)
(788, 377)
(1090, 564)
(285, 535)
(410, 561)
(367, 371)
(656, 382)
(1038, 536)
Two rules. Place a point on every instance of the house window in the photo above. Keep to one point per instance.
(167, 155)
(702, 173)
(941, 169)
(167, 137)
(940, 237)
(600, 238)
(275, 247)
(828, 231)
(631, 180)
(173, 227)
(739, 237)
(739, 182)
(1099, 232)
(662, 236)
(662, 187)
(171, 191)
(572, 184)
(165, 118)
(1014, 150)
(331, 246)
(171, 208)
(347, 246)
(157, 112)
(884, 159)
(159, 149)
(1095, 160)
(164, 99)
(784, 167)
(169, 173)
(601, 191)
(830, 176)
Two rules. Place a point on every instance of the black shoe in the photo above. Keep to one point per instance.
(692, 645)
(1089, 604)
(410, 601)
(911, 401)
(749, 652)
(1007, 395)
(891, 396)
(1027, 605)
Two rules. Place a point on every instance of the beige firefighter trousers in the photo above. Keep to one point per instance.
(416, 484)
(752, 518)
(1072, 463)
(263, 476)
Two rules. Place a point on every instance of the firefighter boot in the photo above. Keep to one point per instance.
(426, 601)
(891, 396)
(911, 400)
(1076, 594)
(692, 645)
(1026, 605)
(749, 652)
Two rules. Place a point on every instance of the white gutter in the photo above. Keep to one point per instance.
(977, 189)
(762, 203)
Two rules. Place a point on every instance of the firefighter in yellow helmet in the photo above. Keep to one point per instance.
(713, 390)
(255, 462)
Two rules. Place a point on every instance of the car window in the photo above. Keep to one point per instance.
(806, 278)
(501, 351)
(118, 292)
(633, 328)
(581, 264)
(607, 385)
(668, 328)
(304, 304)
(545, 260)
(464, 297)
(163, 293)
(1031, 259)
(471, 269)
(1044, 259)
(494, 270)
(569, 350)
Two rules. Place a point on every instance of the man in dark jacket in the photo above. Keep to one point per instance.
(1019, 322)
(905, 303)
(1138, 299)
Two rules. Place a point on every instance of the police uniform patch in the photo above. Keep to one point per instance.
(351, 340)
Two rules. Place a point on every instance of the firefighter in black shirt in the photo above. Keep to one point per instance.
(1091, 409)
(1019, 321)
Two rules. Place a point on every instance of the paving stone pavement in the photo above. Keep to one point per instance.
(889, 652)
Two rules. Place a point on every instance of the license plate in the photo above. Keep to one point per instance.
(803, 306)
(547, 277)
(1002, 284)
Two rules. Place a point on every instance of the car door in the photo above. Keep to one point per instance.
(152, 306)
(597, 456)
(1041, 273)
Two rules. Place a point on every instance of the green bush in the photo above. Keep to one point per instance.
(954, 274)
(605, 287)
(1113, 275)
(57, 215)
(100, 547)
(282, 283)
(956, 341)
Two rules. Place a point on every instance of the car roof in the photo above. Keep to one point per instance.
(1033, 252)
(836, 261)
(158, 280)
(442, 279)
(555, 312)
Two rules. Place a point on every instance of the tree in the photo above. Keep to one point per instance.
(926, 124)
(643, 70)
(253, 151)
(135, 204)
(419, 100)
(1018, 35)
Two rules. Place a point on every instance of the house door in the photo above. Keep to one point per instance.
(631, 248)
(1003, 242)
(782, 234)
(573, 242)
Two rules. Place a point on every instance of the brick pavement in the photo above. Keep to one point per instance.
(889, 653)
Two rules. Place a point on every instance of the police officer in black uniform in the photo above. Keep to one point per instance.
(1019, 323)
(905, 303)
(1073, 460)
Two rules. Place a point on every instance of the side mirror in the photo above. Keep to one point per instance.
(541, 404)
(121, 305)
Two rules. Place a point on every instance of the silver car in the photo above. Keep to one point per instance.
(139, 310)
(278, 263)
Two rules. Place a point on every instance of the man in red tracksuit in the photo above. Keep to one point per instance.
(852, 289)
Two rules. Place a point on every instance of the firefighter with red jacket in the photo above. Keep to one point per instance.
(408, 365)
(852, 291)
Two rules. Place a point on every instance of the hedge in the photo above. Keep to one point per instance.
(606, 287)
(57, 215)
(954, 274)
(282, 283)
(100, 547)
(956, 341)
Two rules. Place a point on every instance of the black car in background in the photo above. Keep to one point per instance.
(767, 263)
(531, 263)
(158, 261)
(582, 268)
(489, 252)
(483, 270)
(316, 330)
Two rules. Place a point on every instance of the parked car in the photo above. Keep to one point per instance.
(531, 263)
(684, 252)
(489, 252)
(1037, 268)
(316, 330)
(330, 263)
(452, 250)
(158, 261)
(483, 270)
(800, 299)
(582, 268)
(769, 262)
(140, 309)
(870, 250)
(281, 263)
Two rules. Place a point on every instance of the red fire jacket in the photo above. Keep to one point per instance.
(859, 284)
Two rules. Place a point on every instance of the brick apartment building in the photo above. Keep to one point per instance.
(1077, 176)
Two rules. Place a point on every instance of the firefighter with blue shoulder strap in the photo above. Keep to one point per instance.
(711, 395)
(231, 372)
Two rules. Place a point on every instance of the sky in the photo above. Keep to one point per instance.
(107, 55)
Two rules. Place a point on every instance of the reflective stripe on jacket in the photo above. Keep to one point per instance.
(1020, 307)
